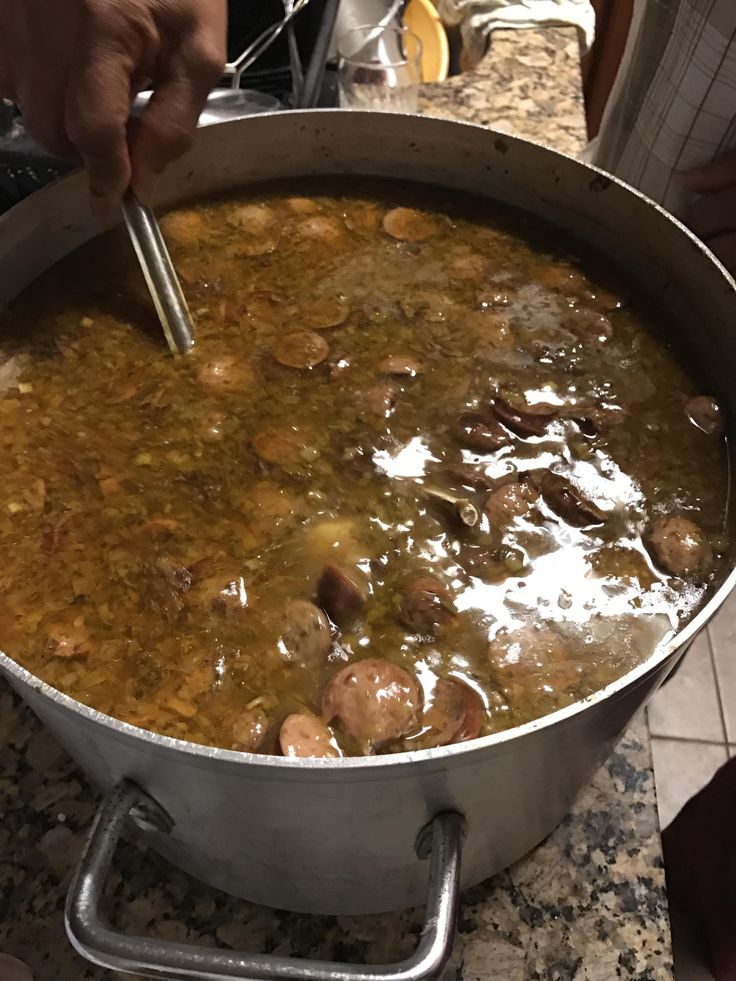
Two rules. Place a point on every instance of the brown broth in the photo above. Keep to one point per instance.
(159, 514)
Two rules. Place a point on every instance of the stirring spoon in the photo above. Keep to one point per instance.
(160, 275)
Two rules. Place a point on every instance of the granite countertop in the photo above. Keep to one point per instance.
(589, 904)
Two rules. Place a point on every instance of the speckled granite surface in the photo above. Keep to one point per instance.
(587, 905)
(528, 85)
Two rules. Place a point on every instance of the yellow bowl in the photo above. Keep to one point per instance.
(422, 19)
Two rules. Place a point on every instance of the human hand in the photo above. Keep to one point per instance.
(74, 66)
(712, 216)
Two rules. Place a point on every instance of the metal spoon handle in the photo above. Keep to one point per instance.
(161, 278)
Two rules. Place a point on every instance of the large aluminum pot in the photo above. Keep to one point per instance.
(340, 836)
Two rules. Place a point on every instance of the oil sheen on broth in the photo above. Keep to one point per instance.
(423, 478)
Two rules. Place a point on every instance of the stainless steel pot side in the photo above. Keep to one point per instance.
(340, 836)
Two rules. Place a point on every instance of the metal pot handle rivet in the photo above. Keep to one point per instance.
(440, 841)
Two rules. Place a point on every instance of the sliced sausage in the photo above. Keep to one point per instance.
(562, 278)
(487, 562)
(226, 373)
(264, 308)
(409, 225)
(303, 206)
(427, 606)
(304, 736)
(532, 656)
(400, 365)
(323, 312)
(283, 445)
(510, 501)
(466, 475)
(470, 265)
(431, 305)
(489, 327)
(342, 593)
(249, 729)
(373, 702)
(183, 227)
(306, 637)
(455, 714)
(327, 228)
(301, 349)
(256, 245)
(705, 413)
(679, 547)
(531, 420)
(594, 419)
(481, 434)
(252, 218)
(377, 402)
(567, 502)
(589, 324)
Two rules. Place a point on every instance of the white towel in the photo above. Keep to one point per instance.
(478, 18)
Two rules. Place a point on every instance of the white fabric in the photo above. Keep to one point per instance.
(478, 18)
(673, 105)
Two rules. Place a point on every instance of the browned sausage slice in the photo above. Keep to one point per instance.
(280, 444)
(466, 475)
(377, 402)
(249, 729)
(306, 637)
(427, 606)
(398, 364)
(510, 501)
(567, 502)
(328, 228)
(589, 324)
(183, 227)
(259, 245)
(705, 413)
(225, 373)
(373, 702)
(325, 311)
(556, 276)
(252, 218)
(532, 656)
(480, 434)
(304, 736)
(679, 546)
(342, 593)
(455, 715)
(303, 206)
(301, 349)
(531, 420)
(409, 225)
(470, 265)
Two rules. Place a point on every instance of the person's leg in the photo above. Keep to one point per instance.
(700, 859)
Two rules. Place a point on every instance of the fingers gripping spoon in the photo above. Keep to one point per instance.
(160, 275)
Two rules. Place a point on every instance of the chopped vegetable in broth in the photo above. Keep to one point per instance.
(422, 478)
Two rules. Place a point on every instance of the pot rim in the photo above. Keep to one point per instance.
(393, 760)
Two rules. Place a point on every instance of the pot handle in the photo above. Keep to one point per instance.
(440, 841)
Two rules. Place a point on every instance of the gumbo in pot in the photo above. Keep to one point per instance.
(426, 475)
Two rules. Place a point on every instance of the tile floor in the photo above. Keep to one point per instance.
(693, 725)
